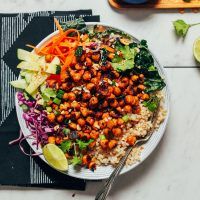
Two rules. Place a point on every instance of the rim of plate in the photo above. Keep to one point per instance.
(103, 172)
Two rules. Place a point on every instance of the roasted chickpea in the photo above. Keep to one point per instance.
(72, 126)
(87, 76)
(127, 109)
(102, 124)
(55, 106)
(92, 145)
(67, 115)
(71, 96)
(90, 86)
(114, 104)
(120, 121)
(117, 91)
(76, 77)
(105, 104)
(137, 110)
(81, 122)
(117, 132)
(51, 140)
(95, 80)
(75, 105)
(119, 109)
(115, 74)
(110, 124)
(93, 102)
(121, 102)
(83, 58)
(78, 66)
(113, 114)
(94, 134)
(60, 118)
(65, 96)
(141, 76)
(105, 115)
(145, 97)
(86, 136)
(112, 144)
(58, 140)
(141, 87)
(129, 99)
(134, 78)
(131, 140)
(111, 56)
(51, 117)
(88, 62)
(96, 125)
(86, 96)
(86, 159)
(104, 143)
(84, 111)
(48, 58)
(75, 115)
(98, 115)
(125, 80)
(96, 57)
(90, 120)
(92, 166)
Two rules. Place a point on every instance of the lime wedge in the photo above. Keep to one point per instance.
(196, 49)
(55, 157)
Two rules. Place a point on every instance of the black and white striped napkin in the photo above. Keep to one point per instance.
(17, 30)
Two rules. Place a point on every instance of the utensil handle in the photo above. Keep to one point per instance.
(103, 193)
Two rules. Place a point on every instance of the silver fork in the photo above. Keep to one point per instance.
(103, 193)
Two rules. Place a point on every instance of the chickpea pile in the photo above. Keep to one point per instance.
(95, 99)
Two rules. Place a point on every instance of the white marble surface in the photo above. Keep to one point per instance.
(172, 171)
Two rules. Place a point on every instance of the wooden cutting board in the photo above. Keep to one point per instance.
(157, 4)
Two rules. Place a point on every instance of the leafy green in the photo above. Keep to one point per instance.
(152, 104)
(78, 24)
(104, 55)
(79, 51)
(153, 85)
(58, 69)
(181, 27)
(144, 58)
(76, 160)
(66, 145)
(127, 61)
(117, 59)
(83, 145)
(124, 65)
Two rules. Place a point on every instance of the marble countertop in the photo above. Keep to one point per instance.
(172, 170)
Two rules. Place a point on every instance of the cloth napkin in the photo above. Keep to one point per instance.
(17, 30)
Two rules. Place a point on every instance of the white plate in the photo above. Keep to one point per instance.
(104, 171)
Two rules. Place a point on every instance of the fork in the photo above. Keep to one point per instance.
(103, 193)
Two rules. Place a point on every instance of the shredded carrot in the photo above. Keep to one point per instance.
(110, 49)
(58, 25)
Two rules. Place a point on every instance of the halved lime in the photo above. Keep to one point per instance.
(55, 157)
(196, 49)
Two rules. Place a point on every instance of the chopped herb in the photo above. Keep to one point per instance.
(57, 101)
(66, 131)
(60, 94)
(125, 118)
(181, 27)
(102, 137)
(152, 104)
(113, 83)
(76, 160)
(83, 145)
(56, 112)
(104, 55)
(66, 145)
(79, 51)
(58, 69)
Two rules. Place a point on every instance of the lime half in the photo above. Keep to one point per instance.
(196, 49)
(55, 157)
